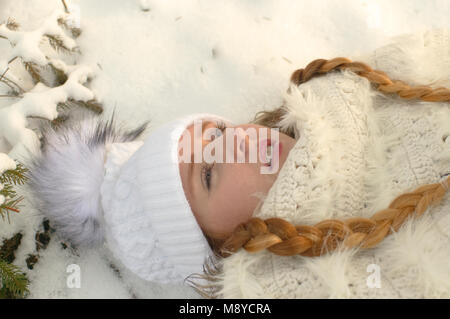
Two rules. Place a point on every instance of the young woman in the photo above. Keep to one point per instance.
(338, 157)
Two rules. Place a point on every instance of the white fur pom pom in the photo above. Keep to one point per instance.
(65, 178)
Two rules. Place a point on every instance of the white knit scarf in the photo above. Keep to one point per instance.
(356, 151)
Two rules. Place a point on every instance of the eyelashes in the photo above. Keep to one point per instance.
(206, 170)
(221, 126)
(206, 174)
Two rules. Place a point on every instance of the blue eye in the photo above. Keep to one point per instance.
(220, 129)
(218, 133)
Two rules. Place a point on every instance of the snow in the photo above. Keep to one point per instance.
(6, 163)
(40, 101)
(25, 44)
(159, 60)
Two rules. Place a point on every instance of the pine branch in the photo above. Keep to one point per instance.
(60, 76)
(76, 32)
(92, 105)
(4, 80)
(7, 191)
(11, 24)
(10, 83)
(11, 96)
(57, 74)
(58, 44)
(1, 76)
(9, 178)
(33, 69)
(66, 9)
(64, 106)
(59, 121)
(12, 281)
(8, 206)
(56, 122)
(12, 88)
(15, 176)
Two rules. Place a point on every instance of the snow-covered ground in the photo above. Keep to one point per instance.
(162, 59)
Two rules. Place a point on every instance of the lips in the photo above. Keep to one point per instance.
(275, 152)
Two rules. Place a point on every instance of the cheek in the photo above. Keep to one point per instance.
(233, 202)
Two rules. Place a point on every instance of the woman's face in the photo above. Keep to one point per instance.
(220, 186)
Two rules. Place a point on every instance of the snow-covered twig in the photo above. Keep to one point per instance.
(43, 99)
(26, 43)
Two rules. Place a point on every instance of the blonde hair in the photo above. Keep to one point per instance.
(283, 238)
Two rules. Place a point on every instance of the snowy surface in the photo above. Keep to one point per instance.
(159, 60)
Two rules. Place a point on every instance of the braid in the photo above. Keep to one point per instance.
(382, 83)
(379, 78)
(282, 238)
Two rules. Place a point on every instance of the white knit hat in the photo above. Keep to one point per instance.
(149, 225)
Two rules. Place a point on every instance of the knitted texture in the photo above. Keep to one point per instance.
(149, 225)
(356, 150)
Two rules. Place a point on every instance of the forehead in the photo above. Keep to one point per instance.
(204, 124)
(189, 132)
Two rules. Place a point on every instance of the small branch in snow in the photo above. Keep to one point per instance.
(11, 24)
(32, 69)
(66, 86)
(12, 96)
(92, 105)
(11, 208)
(14, 90)
(287, 60)
(12, 60)
(1, 76)
(66, 10)
(76, 32)
(10, 82)
(57, 43)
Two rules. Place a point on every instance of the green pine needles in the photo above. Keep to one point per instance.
(13, 283)
(9, 178)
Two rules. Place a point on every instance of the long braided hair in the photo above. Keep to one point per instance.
(285, 239)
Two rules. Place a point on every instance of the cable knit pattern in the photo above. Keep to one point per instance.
(114, 188)
(150, 226)
(356, 151)
(125, 217)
